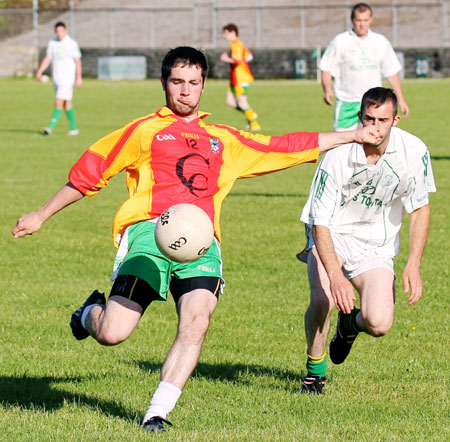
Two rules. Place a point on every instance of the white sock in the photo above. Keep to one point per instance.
(86, 311)
(163, 401)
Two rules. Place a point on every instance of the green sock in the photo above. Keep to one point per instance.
(317, 366)
(55, 117)
(349, 322)
(71, 117)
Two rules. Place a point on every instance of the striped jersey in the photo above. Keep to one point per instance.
(240, 70)
(366, 201)
(170, 161)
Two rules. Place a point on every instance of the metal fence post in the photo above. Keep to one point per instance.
(348, 20)
(72, 17)
(302, 24)
(258, 27)
(194, 23)
(111, 25)
(215, 24)
(444, 20)
(36, 23)
(152, 28)
(394, 23)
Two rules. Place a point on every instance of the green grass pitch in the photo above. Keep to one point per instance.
(53, 388)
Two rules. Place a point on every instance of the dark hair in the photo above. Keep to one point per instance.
(231, 27)
(185, 56)
(360, 7)
(60, 23)
(377, 96)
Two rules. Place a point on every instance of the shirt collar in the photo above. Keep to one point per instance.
(166, 112)
(359, 157)
(353, 34)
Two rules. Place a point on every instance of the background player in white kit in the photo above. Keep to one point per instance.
(358, 59)
(353, 216)
(64, 55)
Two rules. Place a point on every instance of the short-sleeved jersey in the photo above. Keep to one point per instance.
(169, 161)
(63, 53)
(366, 201)
(358, 64)
(240, 70)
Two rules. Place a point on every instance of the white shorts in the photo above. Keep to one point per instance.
(356, 257)
(63, 91)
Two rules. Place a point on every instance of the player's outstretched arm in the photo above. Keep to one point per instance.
(31, 222)
(330, 140)
(341, 289)
(418, 233)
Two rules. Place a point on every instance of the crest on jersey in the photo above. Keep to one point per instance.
(215, 145)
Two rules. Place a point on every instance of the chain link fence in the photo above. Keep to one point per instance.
(265, 24)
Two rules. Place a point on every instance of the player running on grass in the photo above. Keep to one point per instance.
(63, 53)
(353, 215)
(171, 156)
(240, 75)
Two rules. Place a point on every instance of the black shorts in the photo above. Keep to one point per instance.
(139, 291)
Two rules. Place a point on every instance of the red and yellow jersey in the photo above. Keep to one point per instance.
(170, 161)
(240, 70)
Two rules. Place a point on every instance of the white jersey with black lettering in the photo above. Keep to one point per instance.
(358, 64)
(366, 201)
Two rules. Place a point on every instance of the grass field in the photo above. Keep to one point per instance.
(54, 388)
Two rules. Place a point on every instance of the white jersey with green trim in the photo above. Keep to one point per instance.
(350, 196)
(358, 64)
(63, 53)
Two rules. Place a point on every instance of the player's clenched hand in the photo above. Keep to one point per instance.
(342, 293)
(412, 281)
(27, 224)
(328, 97)
(226, 58)
(368, 134)
(404, 107)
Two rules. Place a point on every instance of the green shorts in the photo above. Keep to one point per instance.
(238, 90)
(139, 256)
(346, 115)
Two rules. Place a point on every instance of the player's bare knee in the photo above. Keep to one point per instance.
(378, 332)
(200, 325)
(109, 336)
(194, 331)
(378, 327)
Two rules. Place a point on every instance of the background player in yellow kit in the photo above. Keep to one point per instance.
(240, 75)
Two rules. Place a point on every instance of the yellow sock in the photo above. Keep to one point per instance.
(250, 114)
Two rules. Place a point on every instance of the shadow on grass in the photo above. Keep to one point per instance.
(46, 394)
(244, 374)
(22, 131)
(440, 157)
